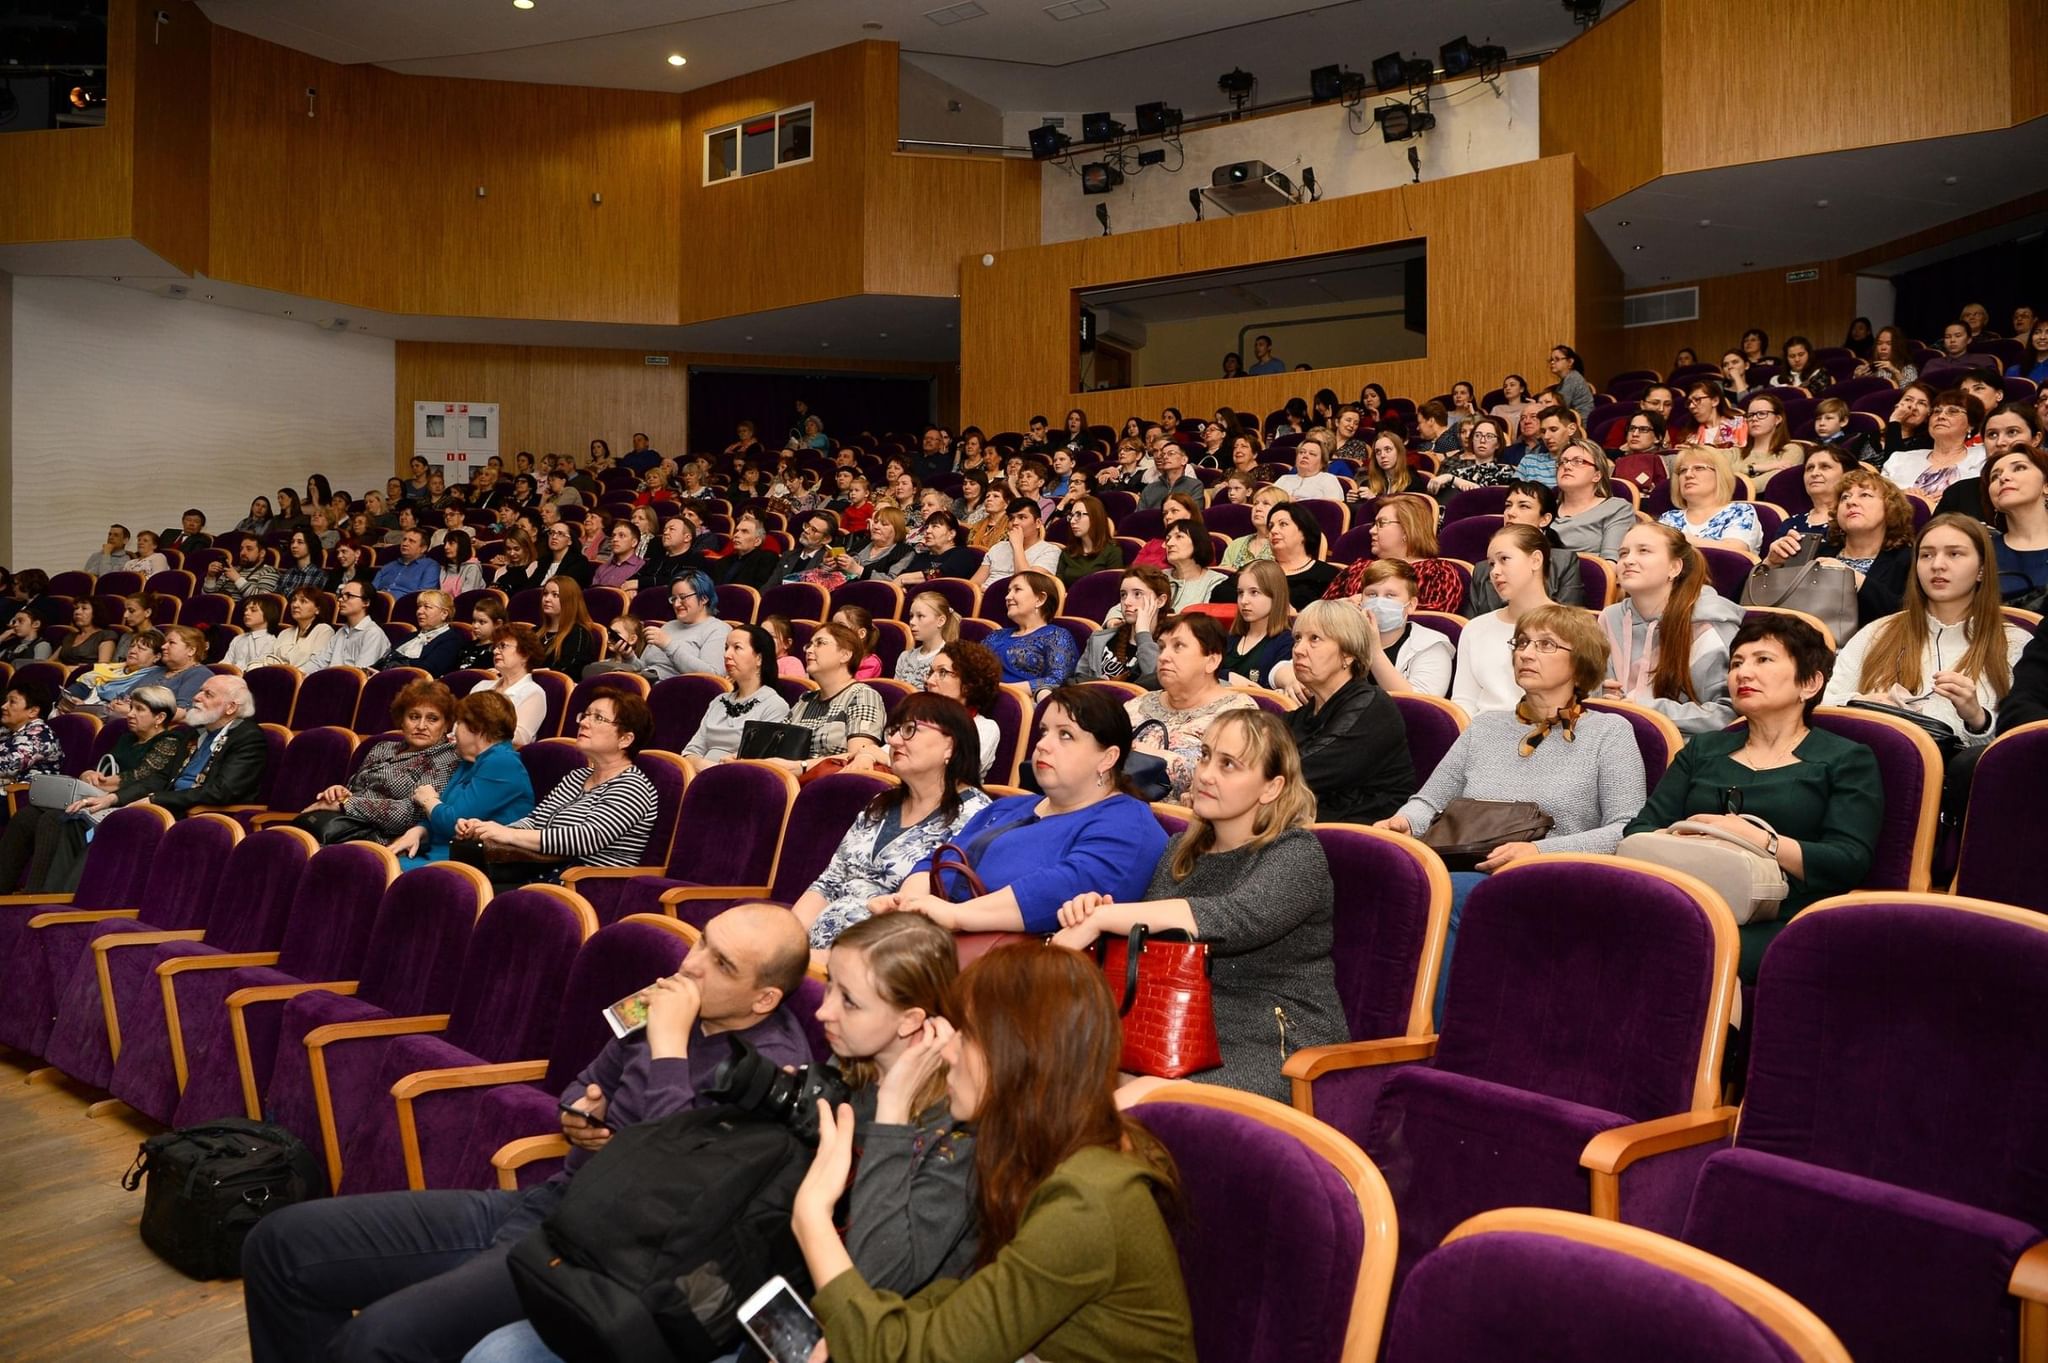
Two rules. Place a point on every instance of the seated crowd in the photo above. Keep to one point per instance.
(1180, 707)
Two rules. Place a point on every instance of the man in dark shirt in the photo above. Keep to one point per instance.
(192, 537)
(426, 1270)
(1035, 437)
(749, 564)
(640, 458)
(1172, 462)
(813, 546)
(941, 554)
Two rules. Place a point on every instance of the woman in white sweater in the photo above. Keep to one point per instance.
(1515, 558)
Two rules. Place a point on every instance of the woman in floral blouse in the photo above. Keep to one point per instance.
(27, 743)
(1033, 649)
(936, 752)
(377, 803)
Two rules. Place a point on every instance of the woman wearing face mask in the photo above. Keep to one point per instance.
(1533, 504)
(1949, 454)
(1249, 875)
(1668, 636)
(1125, 648)
(935, 754)
(1486, 679)
(1259, 637)
(1354, 745)
(1075, 1260)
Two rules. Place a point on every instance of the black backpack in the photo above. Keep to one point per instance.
(209, 1186)
(661, 1237)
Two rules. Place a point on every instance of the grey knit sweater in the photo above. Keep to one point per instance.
(1590, 786)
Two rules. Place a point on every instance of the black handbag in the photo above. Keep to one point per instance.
(767, 738)
(1147, 771)
(1944, 737)
(209, 1186)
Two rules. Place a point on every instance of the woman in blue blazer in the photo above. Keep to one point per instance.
(489, 782)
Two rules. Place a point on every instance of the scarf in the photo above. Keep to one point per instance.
(1566, 719)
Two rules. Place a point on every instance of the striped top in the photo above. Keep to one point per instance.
(605, 826)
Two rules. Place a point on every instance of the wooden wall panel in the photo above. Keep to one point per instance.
(1827, 75)
(2028, 21)
(77, 184)
(173, 135)
(1016, 317)
(1601, 101)
(1819, 309)
(269, 166)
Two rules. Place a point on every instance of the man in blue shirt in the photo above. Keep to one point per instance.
(1264, 361)
(640, 458)
(414, 571)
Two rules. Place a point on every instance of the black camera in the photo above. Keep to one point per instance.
(746, 1081)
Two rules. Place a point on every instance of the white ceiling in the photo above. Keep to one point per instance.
(1807, 208)
(1015, 55)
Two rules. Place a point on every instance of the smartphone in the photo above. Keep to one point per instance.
(575, 1111)
(777, 1319)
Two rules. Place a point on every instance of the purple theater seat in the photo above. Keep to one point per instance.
(963, 596)
(506, 1011)
(265, 872)
(679, 704)
(1289, 1266)
(882, 600)
(587, 690)
(108, 883)
(1228, 519)
(1597, 578)
(276, 690)
(1478, 501)
(314, 760)
(1433, 724)
(462, 1117)
(555, 686)
(605, 604)
(794, 601)
(328, 696)
(1996, 861)
(1010, 712)
(78, 736)
(1911, 769)
(412, 967)
(524, 607)
(601, 886)
(1886, 1169)
(1729, 569)
(739, 604)
(549, 760)
(1334, 517)
(729, 834)
(86, 966)
(229, 1007)
(380, 694)
(1091, 597)
(1589, 995)
(1657, 738)
(1573, 1289)
(1467, 538)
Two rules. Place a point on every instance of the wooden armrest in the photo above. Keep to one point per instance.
(435, 1081)
(44, 920)
(575, 874)
(238, 1027)
(317, 1042)
(7, 899)
(2030, 1284)
(1310, 1063)
(684, 894)
(167, 980)
(513, 1156)
(105, 943)
(229, 810)
(1610, 1152)
(267, 819)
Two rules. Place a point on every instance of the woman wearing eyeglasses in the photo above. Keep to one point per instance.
(1770, 447)
(1705, 510)
(1645, 461)
(1590, 520)
(1579, 766)
(515, 648)
(1715, 421)
(1948, 454)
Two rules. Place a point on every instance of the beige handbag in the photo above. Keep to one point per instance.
(1743, 874)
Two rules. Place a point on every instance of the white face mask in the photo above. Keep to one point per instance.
(1387, 614)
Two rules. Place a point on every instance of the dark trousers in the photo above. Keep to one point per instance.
(426, 1271)
(26, 848)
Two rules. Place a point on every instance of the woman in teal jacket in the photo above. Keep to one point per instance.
(490, 781)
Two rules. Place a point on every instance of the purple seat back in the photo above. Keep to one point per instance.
(121, 583)
(276, 690)
(1010, 711)
(1867, 1061)
(1596, 579)
(804, 1004)
(78, 736)
(1787, 488)
(332, 916)
(1271, 1263)
(1477, 501)
(329, 695)
(1091, 597)
(882, 600)
(1911, 772)
(1728, 568)
(1997, 860)
(415, 958)
(670, 778)
(263, 874)
(314, 760)
(679, 704)
(732, 823)
(1229, 519)
(822, 813)
(1589, 1304)
(617, 960)
(548, 760)
(555, 686)
(586, 691)
(205, 611)
(1332, 516)
(1467, 537)
(605, 604)
(1432, 728)
(1386, 957)
(1541, 939)
(960, 594)
(380, 694)
(524, 607)
(739, 604)
(794, 601)
(464, 680)
(514, 971)
(184, 876)
(1653, 741)
(73, 583)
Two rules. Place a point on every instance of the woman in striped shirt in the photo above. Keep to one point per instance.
(598, 817)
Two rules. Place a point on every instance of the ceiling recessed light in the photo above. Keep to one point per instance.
(872, 27)
(1747, 263)
(1948, 179)
(522, 4)
(1636, 247)
(1622, 223)
(675, 59)
(1706, 222)
(1820, 203)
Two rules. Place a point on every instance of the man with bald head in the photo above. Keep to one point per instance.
(426, 1270)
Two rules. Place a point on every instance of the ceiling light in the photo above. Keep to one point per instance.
(522, 4)
(1156, 119)
(1585, 13)
(1457, 57)
(1622, 223)
(1099, 177)
(954, 14)
(675, 59)
(1100, 128)
(1328, 83)
(1239, 85)
(1047, 142)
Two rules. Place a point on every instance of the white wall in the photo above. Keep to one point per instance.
(1475, 130)
(130, 408)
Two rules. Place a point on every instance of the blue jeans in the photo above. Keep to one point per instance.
(520, 1343)
(1461, 887)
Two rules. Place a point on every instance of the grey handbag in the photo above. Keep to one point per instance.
(1824, 590)
(1752, 882)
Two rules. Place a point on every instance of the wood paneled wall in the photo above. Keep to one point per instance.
(559, 398)
(77, 184)
(1503, 287)
(1603, 103)
(1819, 309)
(173, 129)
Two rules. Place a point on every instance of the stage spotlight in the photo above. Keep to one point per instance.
(1329, 83)
(1418, 72)
(1099, 177)
(1102, 216)
(1585, 13)
(1100, 128)
(1156, 120)
(1308, 183)
(1388, 72)
(1048, 142)
(1238, 84)
(85, 96)
(1457, 57)
(1195, 202)
(1399, 122)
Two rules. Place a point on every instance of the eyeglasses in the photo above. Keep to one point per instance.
(1544, 647)
(592, 717)
(1950, 408)
(936, 671)
(1632, 430)
(350, 596)
(907, 729)
(683, 598)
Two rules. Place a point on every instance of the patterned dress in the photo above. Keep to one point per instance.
(876, 856)
(1041, 659)
(380, 793)
(30, 749)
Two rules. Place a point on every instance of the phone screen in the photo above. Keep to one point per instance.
(784, 1327)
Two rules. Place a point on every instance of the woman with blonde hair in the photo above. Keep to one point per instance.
(1250, 876)
(1704, 508)
(1253, 544)
(1668, 636)
(933, 624)
(1404, 527)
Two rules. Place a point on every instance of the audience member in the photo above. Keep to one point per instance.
(23, 641)
(1950, 452)
(356, 641)
(1191, 695)
(1092, 548)
(1891, 357)
(1667, 638)
(112, 557)
(692, 642)
(1311, 477)
(967, 672)
(28, 744)
(1590, 519)
(1259, 637)
(1565, 367)
(1704, 508)
(1034, 649)
(1533, 504)
(143, 759)
(1489, 675)
(515, 649)
(933, 624)
(1821, 469)
(1821, 794)
(749, 653)
(2016, 485)
(1297, 541)
(1352, 740)
(569, 638)
(1023, 547)
(1172, 463)
(1907, 428)
(1388, 472)
(488, 782)
(248, 575)
(750, 564)
(257, 643)
(1404, 528)
(846, 717)
(1872, 536)
(377, 803)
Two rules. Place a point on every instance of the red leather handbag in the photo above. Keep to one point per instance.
(1168, 1010)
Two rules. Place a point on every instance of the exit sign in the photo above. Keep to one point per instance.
(1801, 276)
